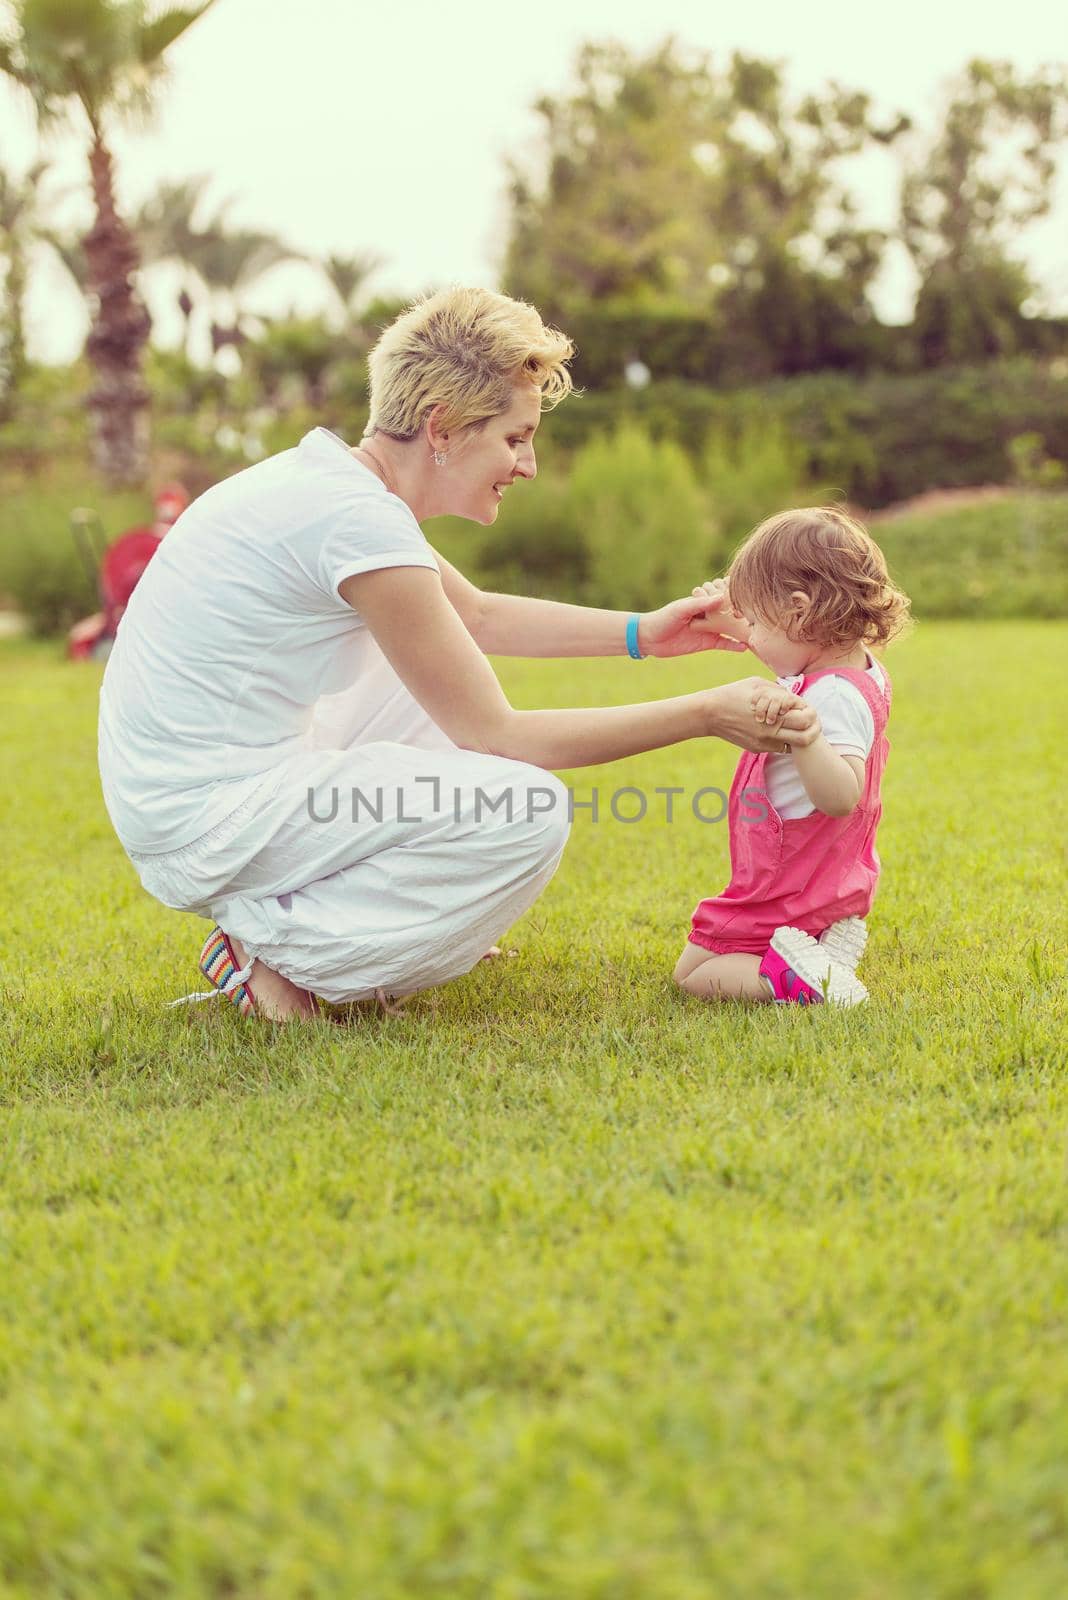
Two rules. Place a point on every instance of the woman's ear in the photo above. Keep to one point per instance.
(437, 437)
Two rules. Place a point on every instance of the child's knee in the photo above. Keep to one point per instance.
(688, 960)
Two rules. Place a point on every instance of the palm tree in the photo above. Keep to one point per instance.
(223, 263)
(106, 56)
(21, 225)
(165, 232)
(347, 276)
(228, 264)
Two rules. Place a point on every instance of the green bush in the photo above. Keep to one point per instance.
(538, 546)
(629, 526)
(645, 520)
(49, 421)
(179, 385)
(1002, 558)
(875, 440)
(738, 346)
(751, 474)
(1031, 467)
(42, 574)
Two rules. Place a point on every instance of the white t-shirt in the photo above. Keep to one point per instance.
(848, 726)
(235, 631)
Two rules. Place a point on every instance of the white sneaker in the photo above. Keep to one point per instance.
(797, 969)
(844, 941)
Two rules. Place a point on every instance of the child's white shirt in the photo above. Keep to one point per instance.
(848, 727)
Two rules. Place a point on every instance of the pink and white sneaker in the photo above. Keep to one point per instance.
(844, 941)
(800, 972)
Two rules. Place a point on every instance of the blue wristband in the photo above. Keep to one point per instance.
(632, 638)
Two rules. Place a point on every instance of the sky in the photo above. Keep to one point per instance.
(386, 127)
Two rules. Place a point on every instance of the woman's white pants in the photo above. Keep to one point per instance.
(381, 857)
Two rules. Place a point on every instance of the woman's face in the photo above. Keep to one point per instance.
(486, 461)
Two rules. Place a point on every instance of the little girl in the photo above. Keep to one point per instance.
(810, 592)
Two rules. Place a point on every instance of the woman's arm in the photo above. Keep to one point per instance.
(430, 648)
(518, 625)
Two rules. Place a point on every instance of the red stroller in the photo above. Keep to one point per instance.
(117, 569)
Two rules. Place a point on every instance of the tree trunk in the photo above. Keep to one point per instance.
(186, 307)
(118, 400)
(13, 363)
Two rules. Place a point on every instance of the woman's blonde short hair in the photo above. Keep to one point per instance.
(823, 552)
(464, 349)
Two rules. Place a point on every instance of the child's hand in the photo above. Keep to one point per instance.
(771, 703)
(728, 622)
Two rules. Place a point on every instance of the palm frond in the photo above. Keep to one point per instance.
(12, 66)
(73, 49)
(231, 262)
(71, 252)
(157, 36)
(348, 274)
(164, 225)
(21, 214)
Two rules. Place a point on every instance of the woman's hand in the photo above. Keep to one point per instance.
(704, 621)
(733, 716)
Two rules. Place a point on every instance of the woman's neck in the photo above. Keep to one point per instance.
(402, 469)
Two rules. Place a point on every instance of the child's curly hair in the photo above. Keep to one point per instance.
(828, 555)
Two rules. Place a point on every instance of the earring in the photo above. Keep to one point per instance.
(440, 458)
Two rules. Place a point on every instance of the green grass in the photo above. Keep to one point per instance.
(559, 1284)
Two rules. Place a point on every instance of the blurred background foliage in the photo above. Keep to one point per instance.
(690, 224)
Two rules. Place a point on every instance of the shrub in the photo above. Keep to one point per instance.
(537, 546)
(875, 440)
(1032, 468)
(741, 344)
(49, 420)
(41, 571)
(752, 473)
(1001, 558)
(645, 520)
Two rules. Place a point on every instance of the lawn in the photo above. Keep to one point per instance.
(558, 1284)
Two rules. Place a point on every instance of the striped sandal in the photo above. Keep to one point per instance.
(219, 965)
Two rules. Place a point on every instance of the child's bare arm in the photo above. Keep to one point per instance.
(833, 782)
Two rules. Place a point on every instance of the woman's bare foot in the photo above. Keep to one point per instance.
(276, 998)
(391, 1006)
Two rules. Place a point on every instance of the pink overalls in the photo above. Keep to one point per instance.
(805, 873)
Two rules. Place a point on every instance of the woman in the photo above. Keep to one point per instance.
(300, 735)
